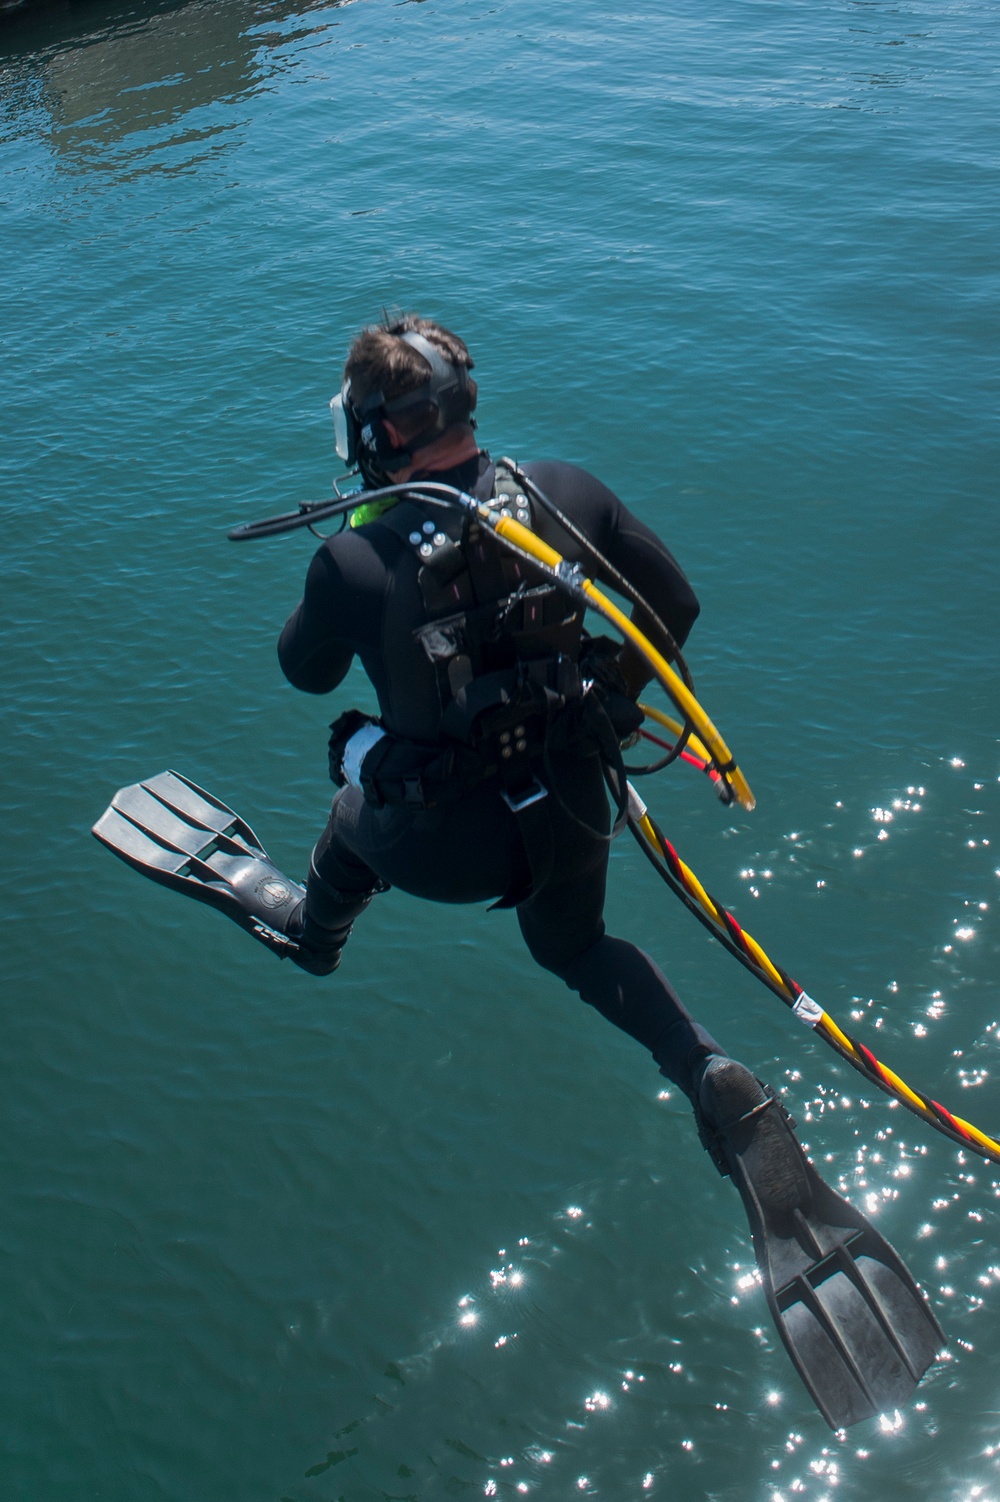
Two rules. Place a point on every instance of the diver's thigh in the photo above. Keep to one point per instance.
(460, 852)
(566, 916)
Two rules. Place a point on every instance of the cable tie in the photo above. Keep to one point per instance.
(806, 1010)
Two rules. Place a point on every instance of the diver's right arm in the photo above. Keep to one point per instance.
(312, 651)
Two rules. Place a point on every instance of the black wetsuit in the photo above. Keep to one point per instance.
(362, 597)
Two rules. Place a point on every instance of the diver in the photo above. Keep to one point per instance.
(494, 773)
(457, 668)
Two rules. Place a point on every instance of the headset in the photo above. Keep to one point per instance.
(360, 433)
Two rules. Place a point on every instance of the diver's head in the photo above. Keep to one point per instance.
(406, 402)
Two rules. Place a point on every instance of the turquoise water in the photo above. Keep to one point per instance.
(431, 1229)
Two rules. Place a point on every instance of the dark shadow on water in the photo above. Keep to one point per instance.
(93, 73)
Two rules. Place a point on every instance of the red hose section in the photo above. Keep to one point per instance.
(722, 915)
(945, 1115)
(932, 1106)
(687, 756)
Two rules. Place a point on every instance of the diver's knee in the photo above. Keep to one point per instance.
(561, 954)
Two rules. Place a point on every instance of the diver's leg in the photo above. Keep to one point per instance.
(852, 1319)
(459, 853)
(340, 887)
(563, 928)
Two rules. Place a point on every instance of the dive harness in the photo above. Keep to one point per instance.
(498, 723)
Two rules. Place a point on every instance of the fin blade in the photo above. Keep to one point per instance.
(191, 802)
(172, 831)
(126, 838)
(853, 1321)
(857, 1330)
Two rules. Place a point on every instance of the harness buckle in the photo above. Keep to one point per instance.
(533, 793)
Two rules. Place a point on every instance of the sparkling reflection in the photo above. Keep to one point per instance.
(931, 1197)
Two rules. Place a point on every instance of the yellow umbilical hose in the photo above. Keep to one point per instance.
(575, 581)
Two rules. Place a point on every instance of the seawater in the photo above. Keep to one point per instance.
(433, 1229)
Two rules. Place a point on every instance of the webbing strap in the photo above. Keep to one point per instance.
(534, 827)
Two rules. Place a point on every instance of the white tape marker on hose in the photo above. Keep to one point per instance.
(808, 1011)
(636, 807)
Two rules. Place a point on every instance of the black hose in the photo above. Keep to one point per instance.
(311, 512)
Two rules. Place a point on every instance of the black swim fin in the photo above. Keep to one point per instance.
(179, 835)
(858, 1329)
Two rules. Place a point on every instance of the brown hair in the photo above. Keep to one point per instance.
(378, 360)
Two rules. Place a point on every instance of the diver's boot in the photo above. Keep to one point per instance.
(853, 1321)
(322, 923)
(740, 1119)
